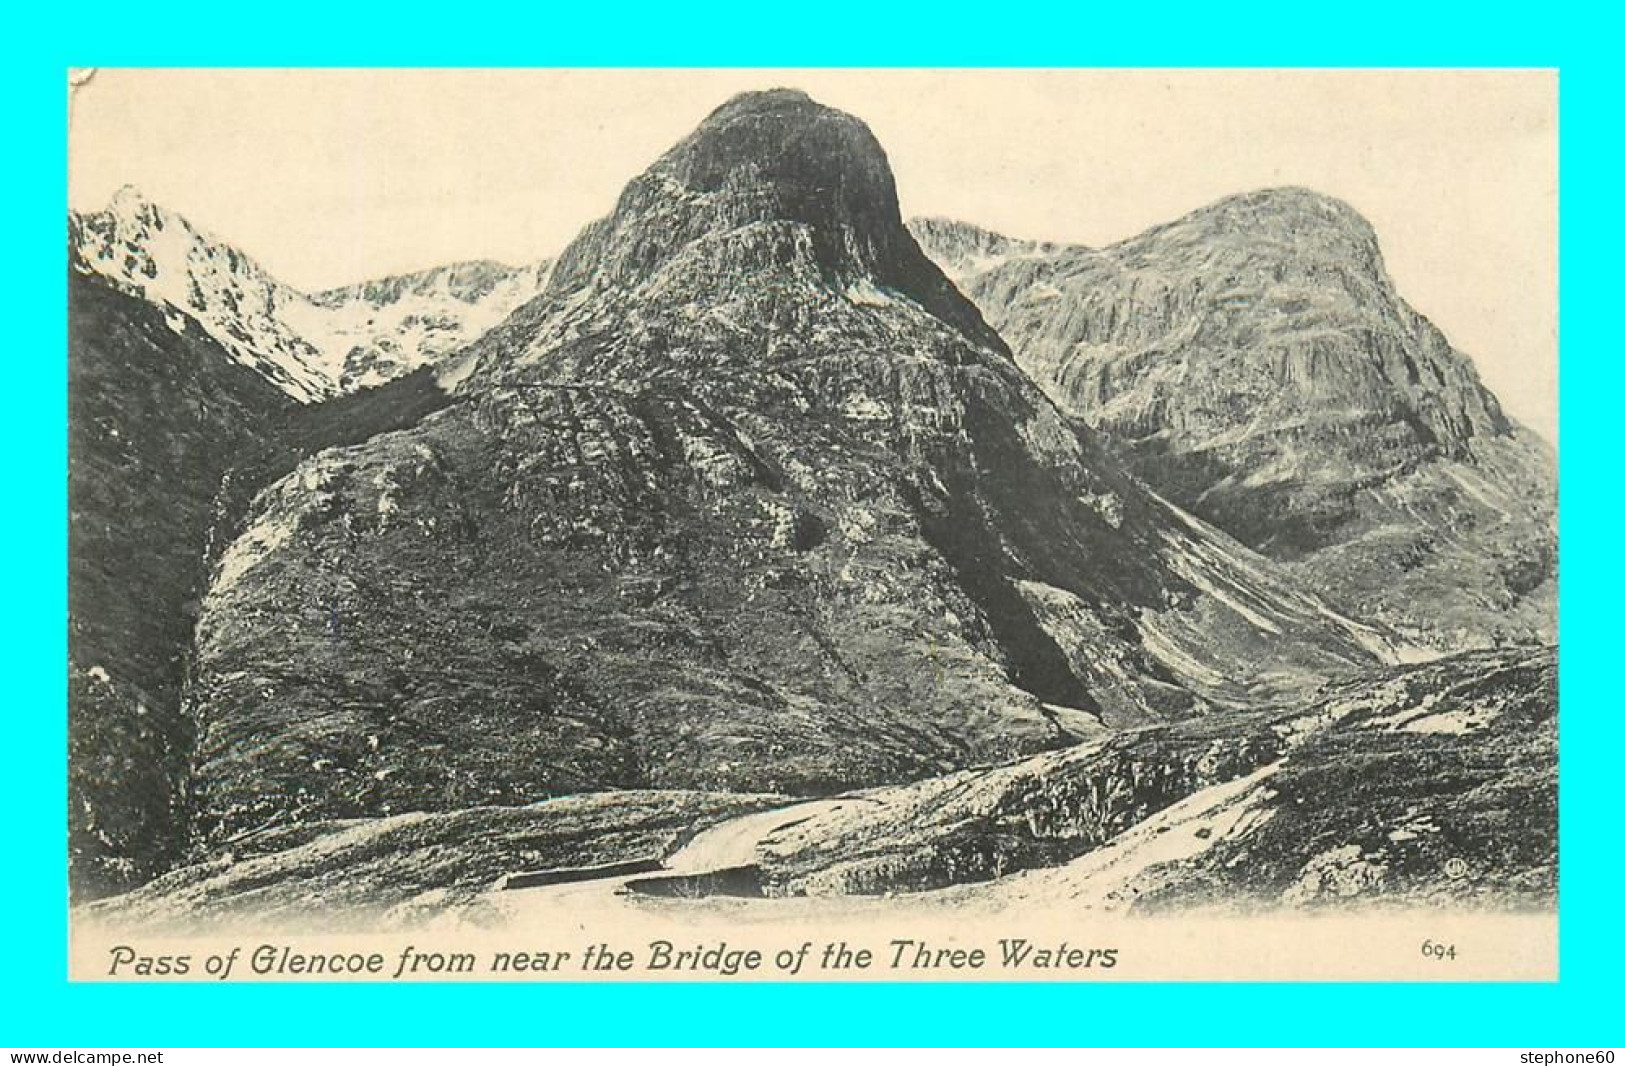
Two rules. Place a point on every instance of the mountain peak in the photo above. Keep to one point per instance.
(127, 196)
(1283, 210)
(811, 181)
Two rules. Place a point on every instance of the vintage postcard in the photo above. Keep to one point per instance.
(812, 525)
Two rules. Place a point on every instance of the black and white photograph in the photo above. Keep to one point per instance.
(813, 524)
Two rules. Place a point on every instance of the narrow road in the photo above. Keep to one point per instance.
(733, 843)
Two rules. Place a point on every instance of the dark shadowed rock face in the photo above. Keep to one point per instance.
(157, 414)
(1254, 364)
(748, 499)
(964, 250)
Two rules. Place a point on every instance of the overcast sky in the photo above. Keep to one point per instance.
(329, 177)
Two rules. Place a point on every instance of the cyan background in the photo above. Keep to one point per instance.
(39, 1008)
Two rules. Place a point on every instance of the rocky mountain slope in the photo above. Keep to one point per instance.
(1417, 785)
(1429, 786)
(171, 438)
(310, 345)
(158, 412)
(750, 498)
(1253, 363)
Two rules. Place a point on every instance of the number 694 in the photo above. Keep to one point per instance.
(1433, 950)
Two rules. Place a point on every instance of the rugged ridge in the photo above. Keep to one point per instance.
(750, 498)
(388, 327)
(1253, 363)
(772, 159)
